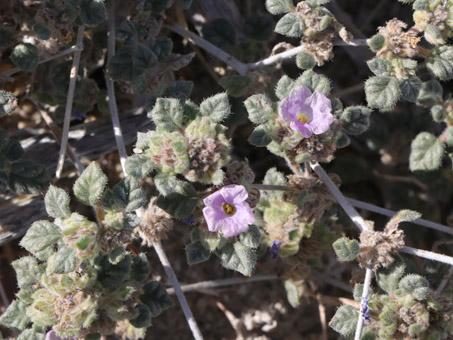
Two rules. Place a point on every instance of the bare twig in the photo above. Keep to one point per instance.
(365, 292)
(444, 281)
(223, 282)
(237, 65)
(177, 287)
(7, 75)
(111, 90)
(428, 255)
(322, 317)
(69, 101)
(391, 213)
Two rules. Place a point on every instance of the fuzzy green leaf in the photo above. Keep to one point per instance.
(140, 268)
(290, 25)
(279, 6)
(284, 87)
(426, 153)
(410, 88)
(128, 194)
(92, 12)
(408, 215)
(27, 271)
(238, 257)
(388, 278)
(65, 260)
(28, 178)
(380, 66)
(315, 82)
(167, 114)
(430, 93)
(57, 202)
(8, 103)
(416, 285)
(112, 275)
(180, 89)
(382, 92)
(305, 61)
(138, 166)
(197, 253)
(216, 107)
(251, 238)
(88, 188)
(179, 204)
(346, 249)
(25, 56)
(155, 297)
(344, 320)
(260, 108)
(30, 334)
(15, 316)
(260, 136)
(41, 235)
(166, 183)
(143, 319)
(440, 62)
(355, 119)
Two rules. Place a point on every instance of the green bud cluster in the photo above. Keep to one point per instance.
(435, 19)
(188, 140)
(80, 279)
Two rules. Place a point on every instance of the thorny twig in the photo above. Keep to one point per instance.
(69, 101)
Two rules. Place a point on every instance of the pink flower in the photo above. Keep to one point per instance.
(306, 112)
(227, 210)
(52, 335)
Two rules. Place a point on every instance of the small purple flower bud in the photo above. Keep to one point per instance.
(52, 335)
(307, 113)
(190, 220)
(275, 249)
(79, 115)
(227, 210)
(365, 310)
(432, 282)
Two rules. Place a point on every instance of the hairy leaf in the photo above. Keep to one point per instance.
(88, 188)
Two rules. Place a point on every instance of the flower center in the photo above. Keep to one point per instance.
(303, 118)
(229, 209)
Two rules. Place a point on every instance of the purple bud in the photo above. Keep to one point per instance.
(365, 310)
(275, 249)
(190, 220)
(79, 115)
(52, 335)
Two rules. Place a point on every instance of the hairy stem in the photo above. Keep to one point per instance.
(69, 101)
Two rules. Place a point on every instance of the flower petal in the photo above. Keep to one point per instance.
(322, 116)
(294, 103)
(303, 128)
(234, 193)
(215, 199)
(212, 217)
(52, 335)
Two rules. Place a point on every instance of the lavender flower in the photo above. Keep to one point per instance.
(227, 210)
(275, 249)
(52, 335)
(365, 310)
(307, 113)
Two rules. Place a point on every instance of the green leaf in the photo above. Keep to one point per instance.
(28, 178)
(179, 204)
(346, 249)
(380, 66)
(284, 87)
(140, 268)
(216, 107)
(41, 235)
(8, 103)
(279, 6)
(92, 12)
(440, 62)
(196, 253)
(388, 278)
(30, 334)
(166, 183)
(180, 89)
(251, 238)
(25, 56)
(426, 153)
(382, 92)
(128, 194)
(143, 58)
(315, 82)
(410, 88)
(143, 319)
(260, 108)
(127, 33)
(376, 42)
(57, 202)
(178, 61)
(113, 275)
(65, 260)
(258, 26)
(439, 113)
(305, 61)
(130, 62)
(138, 166)
(407, 215)
(221, 33)
(27, 271)
(260, 136)
(344, 320)
(430, 93)
(355, 119)
(238, 257)
(236, 85)
(292, 293)
(15, 316)
(162, 48)
(88, 188)
(155, 297)
(416, 285)
(290, 25)
(167, 114)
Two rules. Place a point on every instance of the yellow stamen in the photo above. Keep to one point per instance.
(229, 209)
(303, 118)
